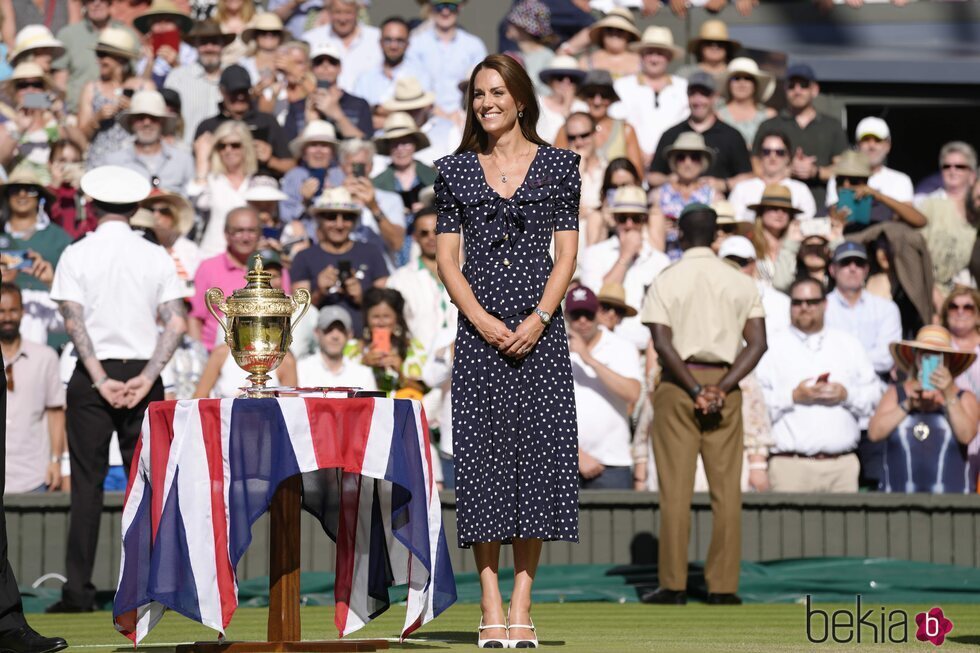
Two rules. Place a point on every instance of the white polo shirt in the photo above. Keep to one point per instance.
(603, 423)
(120, 279)
(650, 114)
(311, 371)
(749, 192)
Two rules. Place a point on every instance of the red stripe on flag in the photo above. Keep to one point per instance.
(350, 492)
(134, 465)
(427, 452)
(332, 420)
(210, 411)
(162, 434)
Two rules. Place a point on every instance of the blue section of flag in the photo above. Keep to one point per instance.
(171, 578)
(135, 573)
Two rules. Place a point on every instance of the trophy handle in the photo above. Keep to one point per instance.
(301, 298)
(213, 298)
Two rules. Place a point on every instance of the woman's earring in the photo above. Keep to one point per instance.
(520, 114)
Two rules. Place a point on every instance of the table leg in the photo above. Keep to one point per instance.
(284, 540)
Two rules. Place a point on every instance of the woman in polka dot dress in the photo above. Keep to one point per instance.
(514, 432)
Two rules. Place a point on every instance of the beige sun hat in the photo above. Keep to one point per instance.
(613, 294)
(316, 131)
(775, 196)
(617, 18)
(409, 96)
(932, 339)
(765, 84)
(184, 217)
(336, 200)
(30, 70)
(35, 37)
(399, 125)
(265, 21)
(263, 188)
(713, 30)
(27, 176)
(163, 9)
(726, 216)
(629, 199)
(118, 42)
(657, 37)
(150, 103)
(690, 142)
(852, 163)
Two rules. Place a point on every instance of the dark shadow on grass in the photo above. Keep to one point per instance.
(458, 637)
(966, 639)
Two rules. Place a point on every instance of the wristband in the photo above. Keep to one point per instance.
(760, 466)
(695, 391)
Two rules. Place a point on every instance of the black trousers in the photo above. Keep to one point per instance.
(11, 610)
(91, 421)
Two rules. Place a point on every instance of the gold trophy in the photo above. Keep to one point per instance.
(258, 326)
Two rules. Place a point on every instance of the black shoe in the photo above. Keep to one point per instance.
(723, 599)
(664, 596)
(64, 607)
(26, 640)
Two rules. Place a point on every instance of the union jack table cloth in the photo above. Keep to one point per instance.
(205, 470)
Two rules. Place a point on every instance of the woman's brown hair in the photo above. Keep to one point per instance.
(519, 85)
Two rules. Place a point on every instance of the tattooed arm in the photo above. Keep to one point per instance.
(173, 316)
(112, 390)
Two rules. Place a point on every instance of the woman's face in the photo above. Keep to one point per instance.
(43, 58)
(318, 155)
(109, 66)
(775, 221)
(29, 85)
(622, 177)
(598, 105)
(687, 165)
(68, 154)
(402, 151)
(713, 52)
(581, 136)
(562, 85)
(774, 156)
(232, 152)
(382, 316)
(962, 316)
(741, 86)
(232, 6)
(493, 105)
(956, 172)
(614, 41)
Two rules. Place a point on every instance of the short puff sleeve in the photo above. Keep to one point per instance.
(567, 197)
(449, 211)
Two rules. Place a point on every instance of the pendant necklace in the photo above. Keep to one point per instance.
(503, 175)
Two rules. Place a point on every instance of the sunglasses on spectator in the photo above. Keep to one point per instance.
(808, 302)
(235, 145)
(852, 181)
(267, 32)
(965, 308)
(774, 151)
(209, 40)
(580, 313)
(717, 44)
(728, 228)
(562, 78)
(334, 217)
(742, 78)
(445, 6)
(29, 83)
(738, 260)
(17, 189)
(696, 157)
(593, 94)
(859, 262)
(637, 218)
(579, 137)
(163, 209)
(955, 166)
(618, 310)
(425, 233)
(394, 40)
(244, 230)
(322, 59)
(802, 83)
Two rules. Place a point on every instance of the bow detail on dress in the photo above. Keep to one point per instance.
(505, 221)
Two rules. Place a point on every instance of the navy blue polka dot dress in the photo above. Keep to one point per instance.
(515, 439)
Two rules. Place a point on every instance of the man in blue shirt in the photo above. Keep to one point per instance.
(447, 52)
(350, 115)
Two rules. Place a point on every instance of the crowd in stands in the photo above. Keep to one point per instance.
(299, 133)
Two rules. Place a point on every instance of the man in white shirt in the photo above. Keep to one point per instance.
(652, 101)
(873, 137)
(378, 85)
(328, 368)
(607, 378)
(819, 384)
(359, 45)
(740, 251)
(111, 315)
(426, 300)
(627, 258)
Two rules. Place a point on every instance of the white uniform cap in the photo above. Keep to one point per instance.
(115, 185)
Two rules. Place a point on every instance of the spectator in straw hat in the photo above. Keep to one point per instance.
(414, 100)
(378, 84)
(773, 215)
(652, 100)
(163, 165)
(197, 83)
(746, 89)
(36, 43)
(562, 76)
(728, 224)
(447, 52)
(626, 258)
(163, 19)
(267, 33)
(350, 115)
(33, 129)
(170, 216)
(359, 44)
(925, 421)
(399, 141)
(853, 171)
(79, 66)
(713, 48)
(318, 168)
(611, 37)
(529, 27)
(612, 306)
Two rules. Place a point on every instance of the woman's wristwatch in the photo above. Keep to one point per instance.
(544, 315)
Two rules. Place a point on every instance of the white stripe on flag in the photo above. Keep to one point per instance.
(226, 407)
(297, 419)
(359, 612)
(378, 449)
(420, 600)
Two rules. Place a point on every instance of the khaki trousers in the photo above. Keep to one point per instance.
(678, 436)
(806, 475)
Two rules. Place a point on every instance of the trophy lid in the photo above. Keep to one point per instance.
(258, 297)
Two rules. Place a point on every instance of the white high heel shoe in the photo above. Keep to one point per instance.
(491, 643)
(523, 643)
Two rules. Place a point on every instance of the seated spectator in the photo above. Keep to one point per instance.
(36, 43)
(264, 196)
(562, 77)
(222, 377)
(652, 100)
(170, 217)
(328, 367)
(773, 214)
(271, 144)
(224, 172)
(263, 34)
(358, 43)
(729, 163)
(35, 404)
(959, 316)
(411, 98)
(601, 224)
(529, 27)
(103, 99)
(818, 384)
(626, 258)
(350, 115)
(613, 308)
(377, 85)
(387, 346)
(607, 377)
(688, 159)
(197, 82)
(611, 36)
(29, 233)
(712, 48)
(813, 262)
(925, 421)
(234, 17)
(746, 89)
(316, 151)
(740, 251)
(67, 210)
(286, 98)
(399, 141)
(382, 219)
(339, 270)
(580, 128)
(298, 16)
(225, 271)
(852, 171)
(163, 165)
(613, 137)
(32, 131)
(773, 154)
(164, 17)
